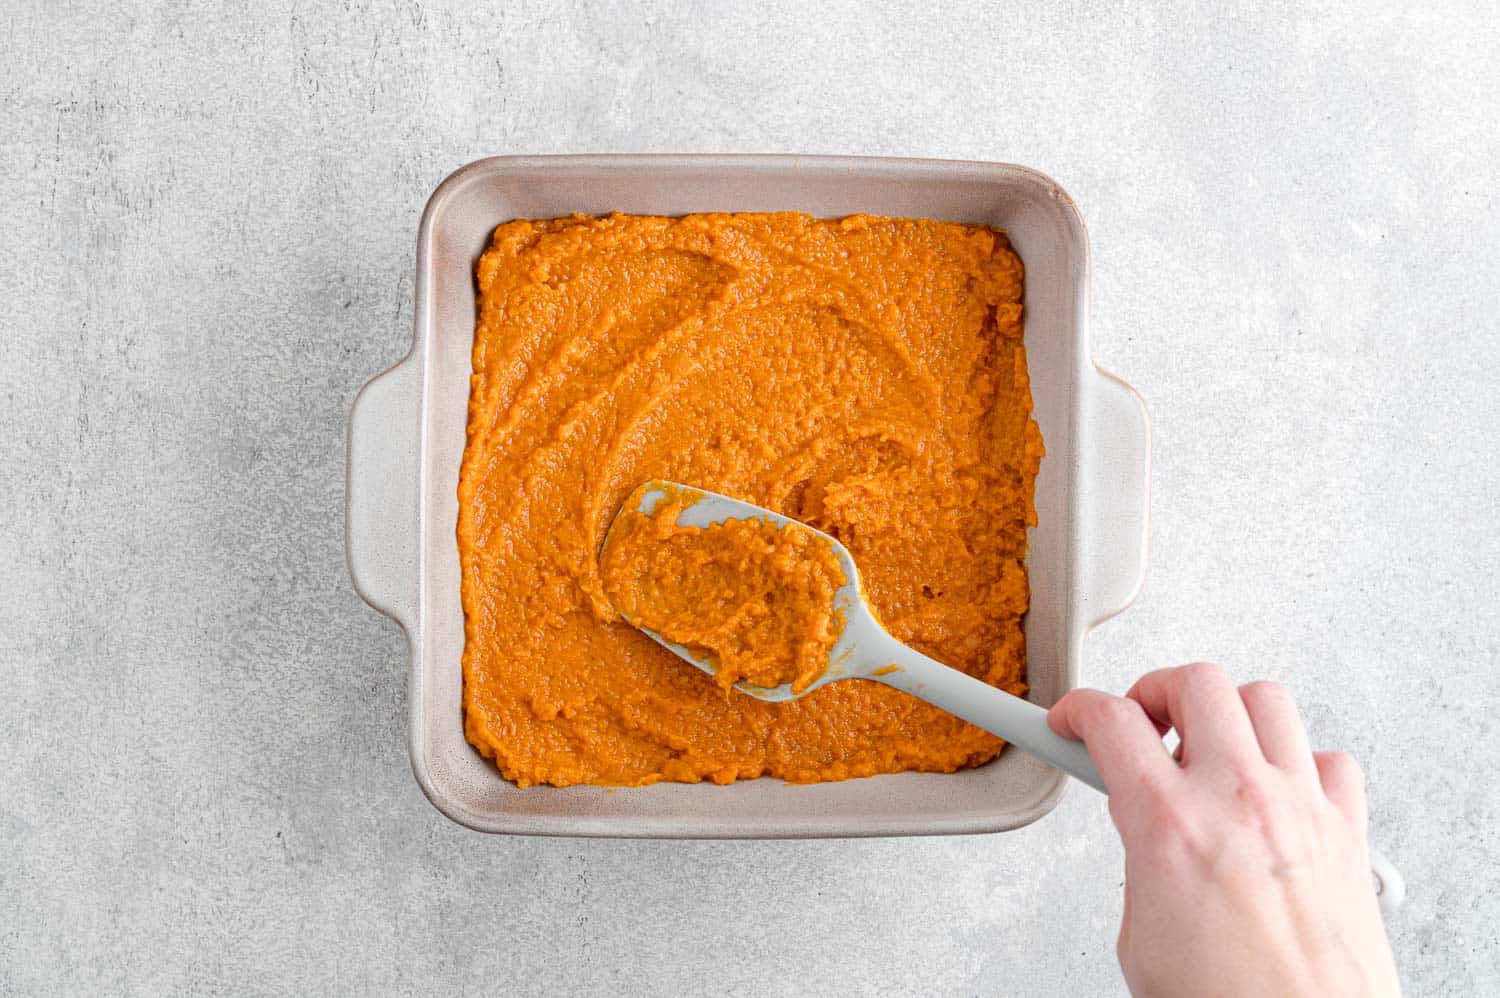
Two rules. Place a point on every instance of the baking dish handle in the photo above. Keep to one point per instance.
(1118, 473)
(381, 491)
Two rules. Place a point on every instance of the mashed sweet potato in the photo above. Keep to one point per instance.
(863, 375)
(755, 598)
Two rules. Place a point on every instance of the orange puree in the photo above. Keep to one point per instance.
(865, 376)
(758, 599)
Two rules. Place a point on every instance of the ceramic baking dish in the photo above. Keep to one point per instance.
(406, 439)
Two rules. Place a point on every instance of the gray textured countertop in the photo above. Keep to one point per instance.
(209, 248)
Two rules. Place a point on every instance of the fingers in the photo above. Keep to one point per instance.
(1278, 726)
(1202, 703)
(1343, 784)
(1121, 739)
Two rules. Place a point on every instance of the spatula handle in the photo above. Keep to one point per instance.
(1018, 721)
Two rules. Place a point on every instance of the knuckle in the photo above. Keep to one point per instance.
(1253, 784)
(1153, 802)
(1158, 675)
(1109, 712)
(1266, 689)
(1343, 765)
(1117, 710)
(1204, 674)
(1255, 797)
(1175, 832)
(1159, 795)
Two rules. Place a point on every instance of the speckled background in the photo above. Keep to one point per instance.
(208, 247)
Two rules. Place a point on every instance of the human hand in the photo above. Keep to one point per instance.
(1246, 866)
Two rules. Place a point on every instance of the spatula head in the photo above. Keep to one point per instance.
(704, 509)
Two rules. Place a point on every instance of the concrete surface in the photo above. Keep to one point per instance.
(208, 247)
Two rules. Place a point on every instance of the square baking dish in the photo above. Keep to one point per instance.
(407, 434)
